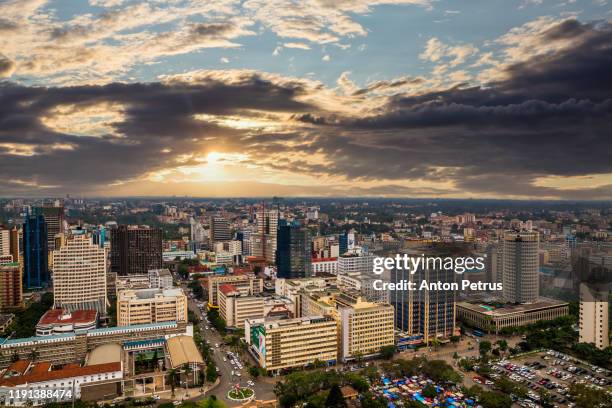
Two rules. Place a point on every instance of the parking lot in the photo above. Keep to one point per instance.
(552, 371)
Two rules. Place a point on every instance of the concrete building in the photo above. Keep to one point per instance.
(247, 284)
(11, 289)
(235, 308)
(491, 319)
(355, 265)
(58, 321)
(264, 240)
(296, 289)
(151, 306)
(54, 218)
(286, 343)
(160, 278)
(135, 249)
(521, 267)
(219, 229)
(324, 265)
(594, 314)
(79, 275)
(73, 347)
(83, 381)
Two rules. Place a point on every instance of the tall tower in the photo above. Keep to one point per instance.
(267, 227)
(135, 250)
(293, 255)
(54, 217)
(521, 281)
(594, 314)
(79, 275)
(35, 252)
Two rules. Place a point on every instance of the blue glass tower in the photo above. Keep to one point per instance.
(35, 252)
(293, 250)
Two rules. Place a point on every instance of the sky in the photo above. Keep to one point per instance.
(398, 98)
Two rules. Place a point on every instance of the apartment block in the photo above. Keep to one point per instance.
(287, 343)
(11, 289)
(235, 308)
(151, 306)
(247, 284)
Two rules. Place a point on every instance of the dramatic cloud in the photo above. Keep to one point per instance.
(539, 128)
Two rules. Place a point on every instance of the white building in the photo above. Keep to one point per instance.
(324, 265)
(594, 313)
(79, 275)
(356, 265)
(160, 278)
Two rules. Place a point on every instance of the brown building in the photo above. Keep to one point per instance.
(54, 217)
(11, 293)
(135, 249)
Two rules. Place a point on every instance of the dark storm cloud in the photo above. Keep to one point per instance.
(551, 116)
(6, 66)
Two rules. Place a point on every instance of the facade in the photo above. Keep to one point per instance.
(73, 347)
(365, 327)
(54, 218)
(247, 284)
(293, 253)
(325, 265)
(5, 242)
(521, 267)
(151, 306)
(35, 252)
(39, 376)
(356, 265)
(594, 314)
(263, 242)
(160, 278)
(430, 314)
(219, 229)
(288, 343)
(79, 275)
(58, 321)
(235, 308)
(492, 319)
(11, 289)
(135, 250)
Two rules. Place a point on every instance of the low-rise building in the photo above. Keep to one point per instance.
(247, 284)
(491, 319)
(58, 321)
(278, 344)
(324, 265)
(151, 306)
(160, 278)
(235, 308)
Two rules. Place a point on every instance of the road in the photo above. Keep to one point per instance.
(263, 387)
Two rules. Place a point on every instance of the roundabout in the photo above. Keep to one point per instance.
(241, 394)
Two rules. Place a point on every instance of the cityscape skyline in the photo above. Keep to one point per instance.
(392, 98)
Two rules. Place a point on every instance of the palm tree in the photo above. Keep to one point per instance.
(33, 355)
(435, 343)
(172, 379)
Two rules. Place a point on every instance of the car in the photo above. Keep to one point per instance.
(224, 359)
(176, 403)
(217, 369)
(155, 397)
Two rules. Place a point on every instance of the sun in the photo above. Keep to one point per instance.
(213, 157)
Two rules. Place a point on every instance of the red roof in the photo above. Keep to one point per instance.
(227, 288)
(54, 316)
(324, 259)
(19, 366)
(69, 371)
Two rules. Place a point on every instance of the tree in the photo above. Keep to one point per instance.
(492, 399)
(503, 344)
(387, 352)
(369, 400)
(33, 355)
(435, 343)
(484, 347)
(455, 356)
(172, 379)
(14, 357)
(254, 371)
(334, 398)
(211, 372)
(429, 391)
(588, 397)
(455, 339)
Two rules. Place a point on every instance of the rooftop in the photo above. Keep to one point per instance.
(495, 310)
(59, 316)
(36, 375)
(183, 350)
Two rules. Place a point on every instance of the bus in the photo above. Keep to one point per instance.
(478, 333)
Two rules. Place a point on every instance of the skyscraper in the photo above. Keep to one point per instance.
(521, 283)
(54, 217)
(293, 254)
(594, 314)
(79, 274)
(5, 241)
(35, 252)
(264, 241)
(135, 249)
(219, 229)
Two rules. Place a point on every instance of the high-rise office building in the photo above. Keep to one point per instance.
(594, 314)
(293, 253)
(219, 229)
(5, 241)
(424, 312)
(264, 240)
(521, 281)
(11, 293)
(79, 275)
(135, 249)
(35, 252)
(54, 217)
